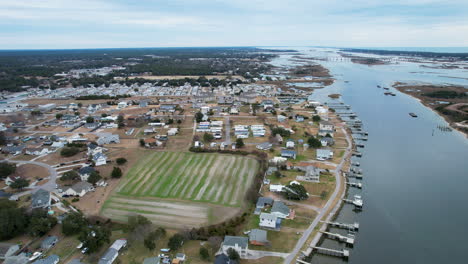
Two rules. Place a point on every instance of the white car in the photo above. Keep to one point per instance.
(84, 250)
(35, 255)
(79, 245)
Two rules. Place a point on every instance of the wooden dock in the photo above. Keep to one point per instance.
(349, 241)
(350, 227)
(332, 252)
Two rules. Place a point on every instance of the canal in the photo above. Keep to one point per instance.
(415, 176)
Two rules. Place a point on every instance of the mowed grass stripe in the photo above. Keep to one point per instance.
(156, 210)
(201, 178)
(182, 178)
(201, 188)
(220, 175)
(180, 172)
(146, 174)
(241, 177)
(217, 190)
(166, 176)
(139, 178)
(253, 166)
(192, 175)
(231, 182)
(177, 219)
(135, 170)
(237, 198)
(155, 174)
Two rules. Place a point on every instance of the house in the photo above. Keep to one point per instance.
(94, 149)
(279, 138)
(36, 151)
(8, 249)
(108, 138)
(181, 257)
(113, 251)
(299, 118)
(10, 179)
(264, 146)
(224, 259)
(14, 150)
(85, 172)
(281, 118)
(290, 154)
(40, 199)
(143, 103)
(261, 203)
(290, 144)
(167, 108)
(258, 237)
(153, 260)
(92, 125)
(239, 244)
(173, 131)
(19, 259)
(122, 105)
(100, 159)
(271, 170)
(324, 154)
(49, 242)
(280, 209)
(93, 108)
(79, 189)
(268, 220)
(327, 141)
(52, 259)
(150, 142)
(276, 187)
(57, 144)
(312, 174)
(326, 127)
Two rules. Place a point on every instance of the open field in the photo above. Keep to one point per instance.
(180, 189)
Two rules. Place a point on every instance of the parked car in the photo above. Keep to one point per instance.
(35, 255)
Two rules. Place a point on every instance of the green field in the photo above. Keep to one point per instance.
(168, 186)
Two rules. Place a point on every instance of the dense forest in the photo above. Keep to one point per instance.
(37, 68)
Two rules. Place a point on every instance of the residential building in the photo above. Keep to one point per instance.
(258, 237)
(100, 159)
(280, 209)
(327, 141)
(290, 144)
(36, 151)
(276, 187)
(49, 242)
(290, 154)
(40, 199)
(108, 139)
(268, 220)
(8, 249)
(324, 154)
(264, 146)
(326, 127)
(85, 172)
(239, 244)
(153, 260)
(52, 259)
(79, 189)
(113, 252)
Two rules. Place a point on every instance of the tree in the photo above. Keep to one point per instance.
(232, 254)
(89, 119)
(204, 253)
(41, 223)
(116, 173)
(73, 224)
(240, 143)
(70, 176)
(19, 184)
(6, 169)
(170, 121)
(313, 142)
(296, 192)
(207, 137)
(69, 151)
(94, 237)
(13, 220)
(3, 140)
(199, 117)
(154, 235)
(316, 118)
(80, 105)
(59, 116)
(142, 142)
(77, 113)
(281, 131)
(94, 177)
(121, 161)
(149, 243)
(175, 242)
(103, 115)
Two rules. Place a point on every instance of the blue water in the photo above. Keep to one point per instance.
(422, 49)
(415, 176)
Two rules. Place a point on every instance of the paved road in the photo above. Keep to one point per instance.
(228, 130)
(49, 186)
(300, 243)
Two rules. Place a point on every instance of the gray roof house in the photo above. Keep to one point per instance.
(108, 138)
(109, 257)
(79, 189)
(40, 199)
(280, 209)
(153, 260)
(261, 203)
(258, 237)
(324, 154)
(49, 242)
(52, 259)
(224, 259)
(240, 244)
(19, 259)
(288, 154)
(8, 249)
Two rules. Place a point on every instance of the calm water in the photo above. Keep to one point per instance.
(415, 182)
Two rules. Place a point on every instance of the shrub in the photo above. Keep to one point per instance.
(69, 151)
(121, 161)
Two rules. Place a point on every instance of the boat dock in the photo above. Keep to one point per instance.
(332, 252)
(355, 184)
(351, 174)
(357, 202)
(349, 241)
(357, 154)
(350, 227)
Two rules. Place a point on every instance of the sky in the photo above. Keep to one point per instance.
(66, 24)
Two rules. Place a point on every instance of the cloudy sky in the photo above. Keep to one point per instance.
(39, 24)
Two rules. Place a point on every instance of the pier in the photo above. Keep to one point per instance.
(355, 163)
(357, 154)
(351, 227)
(349, 241)
(355, 184)
(357, 202)
(332, 252)
(351, 174)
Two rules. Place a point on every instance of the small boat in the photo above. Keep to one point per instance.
(378, 86)
(413, 115)
(386, 88)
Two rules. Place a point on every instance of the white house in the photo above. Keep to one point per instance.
(100, 159)
(325, 128)
(276, 187)
(239, 244)
(58, 144)
(290, 144)
(36, 151)
(79, 189)
(108, 138)
(268, 220)
(122, 104)
(324, 154)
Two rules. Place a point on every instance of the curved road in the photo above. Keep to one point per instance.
(300, 243)
(48, 186)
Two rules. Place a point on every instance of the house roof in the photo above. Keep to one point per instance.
(268, 216)
(52, 259)
(110, 255)
(86, 170)
(223, 259)
(5, 247)
(153, 260)
(323, 152)
(40, 198)
(80, 186)
(258, 235)
(98, 156)
(280, 207)
(49, 241)
(233, 240)
(264, 200)
(20, 259)
(286, 152)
